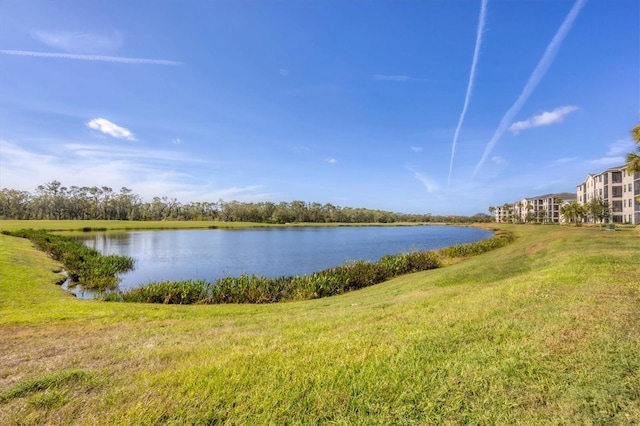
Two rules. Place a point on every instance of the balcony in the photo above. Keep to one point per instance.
(616, 177)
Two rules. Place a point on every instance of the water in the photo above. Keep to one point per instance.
(215, 253)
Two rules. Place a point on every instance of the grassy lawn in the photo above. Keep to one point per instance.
(543, 331)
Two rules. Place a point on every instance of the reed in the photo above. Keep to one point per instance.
(351, 276)
(85, 266)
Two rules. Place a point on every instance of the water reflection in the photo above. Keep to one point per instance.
(214, 253)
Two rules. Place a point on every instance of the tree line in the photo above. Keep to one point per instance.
(55, 201)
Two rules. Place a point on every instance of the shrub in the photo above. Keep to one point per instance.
(85, 266)
(94, 271)
(257, 289)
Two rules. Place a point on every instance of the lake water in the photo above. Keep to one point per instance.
(215, 253)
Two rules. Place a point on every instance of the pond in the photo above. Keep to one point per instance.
(272, 252)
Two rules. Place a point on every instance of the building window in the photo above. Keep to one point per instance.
(630, 187)
(600, 178)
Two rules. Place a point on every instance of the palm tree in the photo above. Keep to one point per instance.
(633, 162)
(633, 159)
(492, 210)
(572, 211)
(542, 216)
(529, 217)
(508, 211)
(518, 211)
(556, 207)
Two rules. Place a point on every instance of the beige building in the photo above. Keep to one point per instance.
(541, 208)
(617, 187)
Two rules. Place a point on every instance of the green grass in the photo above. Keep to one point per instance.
(543, 331)
(329, 282)
(84, 266)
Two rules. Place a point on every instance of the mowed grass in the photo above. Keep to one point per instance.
(543, 331)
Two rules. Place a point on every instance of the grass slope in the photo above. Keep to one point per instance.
(543, 331)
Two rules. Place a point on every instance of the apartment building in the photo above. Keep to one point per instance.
(541, 208)
(617, 187)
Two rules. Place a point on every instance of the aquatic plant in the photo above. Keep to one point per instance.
(85, 266)
(329, 282)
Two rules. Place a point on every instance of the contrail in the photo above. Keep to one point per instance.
(472, 76)
(118, 59)
(534, 79)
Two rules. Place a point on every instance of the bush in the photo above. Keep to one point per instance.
(257, 289)
(85, 266)
(499, 239)
(94, 271)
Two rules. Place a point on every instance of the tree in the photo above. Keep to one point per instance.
(542, 216)
(492, 210)
(633, 159)
(598, 209)
(14, 204)
(530, 216)
(507, 211)
(517, 207)
(573, 211)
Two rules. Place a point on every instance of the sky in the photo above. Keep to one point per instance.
(432, 106)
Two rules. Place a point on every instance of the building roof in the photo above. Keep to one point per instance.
(561, 195)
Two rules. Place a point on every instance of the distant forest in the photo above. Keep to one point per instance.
(55, 201)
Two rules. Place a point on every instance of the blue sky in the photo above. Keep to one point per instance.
(442, 107)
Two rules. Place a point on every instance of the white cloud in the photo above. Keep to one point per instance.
(497, 160)
(123, 153)
(416, 148)
(428, 183)
(149, 173)
(381, 77)
(107, 127)
(118, 59)
(331, 160)
(534, 79)
(176, 141)
(608, 161)
(616, 155)
(472, 76)
(284, 72)
(620, 147)
(562, 161)
(79, 42)
(544, 119)
(550, 184)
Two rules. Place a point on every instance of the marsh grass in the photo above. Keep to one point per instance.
(85, 266)
(544, 330)
(329, 282)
